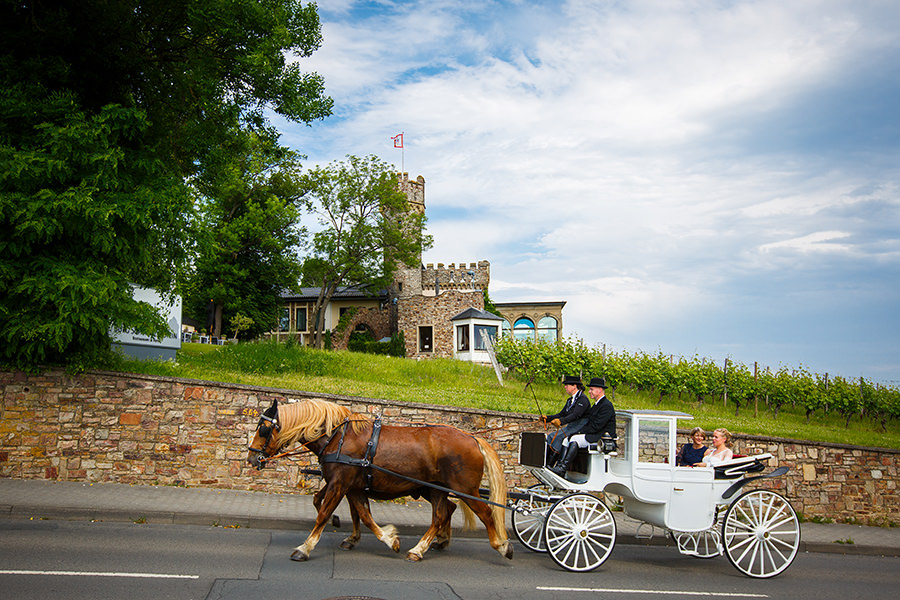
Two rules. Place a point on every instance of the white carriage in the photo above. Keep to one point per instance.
(706, 510)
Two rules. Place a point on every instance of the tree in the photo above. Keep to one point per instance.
(249, 234)
(367, 229)
(106, 107)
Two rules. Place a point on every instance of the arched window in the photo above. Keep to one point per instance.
(524, 329)
(547, 329)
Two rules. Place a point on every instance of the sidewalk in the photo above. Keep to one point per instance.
(40, 499)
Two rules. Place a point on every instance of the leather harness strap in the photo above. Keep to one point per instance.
(366, 460)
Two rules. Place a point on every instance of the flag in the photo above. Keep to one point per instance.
(398, 140)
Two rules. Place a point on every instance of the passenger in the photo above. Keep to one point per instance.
(721, 450)
(692, 452)
(570, 419)
(601, 422)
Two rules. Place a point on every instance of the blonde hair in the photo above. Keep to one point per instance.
(311, 419)
(727, 434)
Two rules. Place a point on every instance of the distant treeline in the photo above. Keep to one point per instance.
(698, 379)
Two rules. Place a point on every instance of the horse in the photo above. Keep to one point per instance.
(361, 459)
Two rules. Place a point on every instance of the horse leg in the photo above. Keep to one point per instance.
(359, 503)
(442, 539)
(351, 540)
(485, 513)
(328, 502)
(440, 520)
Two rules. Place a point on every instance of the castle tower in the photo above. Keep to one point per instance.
(408, 280)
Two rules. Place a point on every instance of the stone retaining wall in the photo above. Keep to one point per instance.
(165, 431)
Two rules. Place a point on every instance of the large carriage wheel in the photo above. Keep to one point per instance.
(761, 533)
(529, 528)
(580, 532)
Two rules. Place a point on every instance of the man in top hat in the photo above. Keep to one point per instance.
(570, 419)
(601, 422)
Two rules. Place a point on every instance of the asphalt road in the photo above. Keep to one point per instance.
(62, 559)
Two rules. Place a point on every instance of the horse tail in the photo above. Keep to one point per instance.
(497, 485)
(469, 518)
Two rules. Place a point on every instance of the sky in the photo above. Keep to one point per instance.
(702, 178)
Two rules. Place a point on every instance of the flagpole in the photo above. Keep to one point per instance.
(402, 153)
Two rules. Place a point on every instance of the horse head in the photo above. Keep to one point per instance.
(265, 441)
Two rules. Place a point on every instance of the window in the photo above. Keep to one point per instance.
(653, 441)
(507, 328)
(300, 319)
(524, 329)
(462, 338)
(482, 331)
(284, 321)
(547, 329)
(426, 335)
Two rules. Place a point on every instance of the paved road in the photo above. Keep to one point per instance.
(62, 559)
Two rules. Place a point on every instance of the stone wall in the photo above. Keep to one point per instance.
(155, 430)
(377, 320)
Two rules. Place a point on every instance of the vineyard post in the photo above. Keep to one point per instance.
(755, 389)
(725, 379)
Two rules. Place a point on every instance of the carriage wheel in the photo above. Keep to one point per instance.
(529, 528)
(701, 544)
(761, 533)
(580, 532)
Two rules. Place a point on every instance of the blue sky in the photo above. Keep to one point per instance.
(712, 178)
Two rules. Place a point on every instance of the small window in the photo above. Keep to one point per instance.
(462, 338)
(507, 328)
(653, 441)
(284, 321)
(426, 339)
(482, 332)
(300, 319)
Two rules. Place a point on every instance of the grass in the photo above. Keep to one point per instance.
(450, 382)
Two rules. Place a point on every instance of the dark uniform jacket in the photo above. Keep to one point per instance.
(573, 410)
(601, 418)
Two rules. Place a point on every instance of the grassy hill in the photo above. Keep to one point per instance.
(456, 383)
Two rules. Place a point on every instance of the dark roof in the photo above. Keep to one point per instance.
(343, 293)
(474, 313)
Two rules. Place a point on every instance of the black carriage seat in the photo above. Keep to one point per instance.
(605, 445)
(741, 465)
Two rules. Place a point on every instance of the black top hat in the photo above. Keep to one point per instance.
(571, 380)
(598, 382)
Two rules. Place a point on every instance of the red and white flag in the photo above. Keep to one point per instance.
(398, 140)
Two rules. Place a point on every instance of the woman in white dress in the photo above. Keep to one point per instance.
(720, 451)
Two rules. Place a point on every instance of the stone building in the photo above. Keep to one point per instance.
(431, 304)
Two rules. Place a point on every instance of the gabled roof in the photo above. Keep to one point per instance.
(474, 313)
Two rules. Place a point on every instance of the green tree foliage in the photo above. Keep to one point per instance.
(249, 233)
(366, 230)
(106, 106)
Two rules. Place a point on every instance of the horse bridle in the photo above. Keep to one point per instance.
(265, 432)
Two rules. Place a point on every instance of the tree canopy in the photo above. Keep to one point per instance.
(106, 108)
(366, 229)
(249, 231)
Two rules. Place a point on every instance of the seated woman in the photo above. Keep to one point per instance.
(721, 450)
(692, 452)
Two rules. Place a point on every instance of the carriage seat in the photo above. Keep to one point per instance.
(740, 466)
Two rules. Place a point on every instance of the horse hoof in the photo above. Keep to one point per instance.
(396, 546)
(345, 545)
(413, 557)
(509, 552)
(441, 545)
(299, 556)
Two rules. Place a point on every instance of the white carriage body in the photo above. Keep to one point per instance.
(643, 472)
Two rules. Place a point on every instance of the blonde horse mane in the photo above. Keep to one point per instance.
(306, 421)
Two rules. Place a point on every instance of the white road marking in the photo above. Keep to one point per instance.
(660, 592)
(100, 574)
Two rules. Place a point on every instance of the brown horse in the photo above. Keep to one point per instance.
(438, 455)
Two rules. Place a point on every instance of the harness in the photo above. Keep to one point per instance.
(364, 462)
